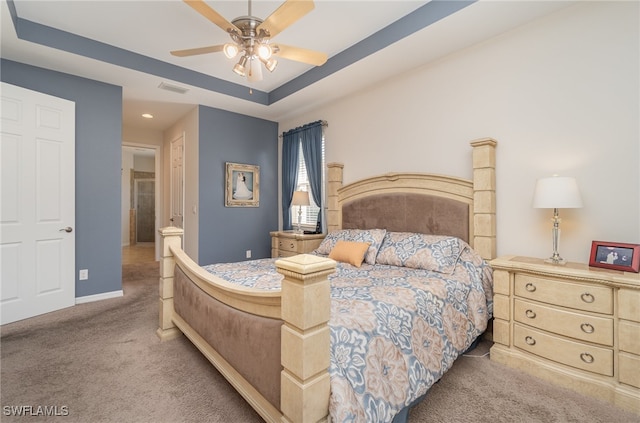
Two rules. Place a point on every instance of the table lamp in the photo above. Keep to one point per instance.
(556, 192)
(300, 198)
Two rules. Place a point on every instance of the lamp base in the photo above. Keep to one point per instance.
(558, 261)
(299, 227)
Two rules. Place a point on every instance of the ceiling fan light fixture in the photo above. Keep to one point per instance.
(251, 38)
(264, 51)
(239, 68)
(230, 50)
(269, 64)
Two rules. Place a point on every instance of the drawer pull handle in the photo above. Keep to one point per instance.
(587, 298)
(530, 287)
(587, 358)
(292, 245)
(587, 328)
(529, 340)
(530, 314)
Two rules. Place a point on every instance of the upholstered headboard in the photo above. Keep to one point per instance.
(407, 212)
(421, 202)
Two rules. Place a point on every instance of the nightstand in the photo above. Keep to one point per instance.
(573, 325)
(290, 243)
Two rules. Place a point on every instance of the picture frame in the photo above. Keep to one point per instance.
(615, 255)
(242, 182)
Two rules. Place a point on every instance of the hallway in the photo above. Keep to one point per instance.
(139, 253)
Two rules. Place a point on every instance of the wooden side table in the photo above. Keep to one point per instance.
(290, 243)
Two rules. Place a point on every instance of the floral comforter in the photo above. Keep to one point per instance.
(394, 330)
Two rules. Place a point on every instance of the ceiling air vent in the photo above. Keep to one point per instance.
(173, 88)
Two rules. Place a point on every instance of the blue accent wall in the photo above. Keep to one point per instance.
(226, 233)
(98, 164)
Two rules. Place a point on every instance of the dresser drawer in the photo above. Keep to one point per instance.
(287, 245)
(283, 253)
(629, 369)
(572, 353)
(568, 323)
(598, 299)
(629, 304)
(629, 336)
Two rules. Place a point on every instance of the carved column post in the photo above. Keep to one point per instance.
(334, 183)
(169, 236)
(484, 197)
(306, 339)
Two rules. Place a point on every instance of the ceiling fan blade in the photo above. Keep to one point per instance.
(303, 55)
(285, 15)
(205, 10)
(196, 51)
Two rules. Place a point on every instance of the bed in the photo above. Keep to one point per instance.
(283, 331)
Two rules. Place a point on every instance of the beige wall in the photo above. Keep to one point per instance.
(560, 94)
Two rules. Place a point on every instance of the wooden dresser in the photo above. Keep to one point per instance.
(574, 325)
(289, 243)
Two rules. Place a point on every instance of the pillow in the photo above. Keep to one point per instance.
(373, 236)
(349, 252)
(419, 251)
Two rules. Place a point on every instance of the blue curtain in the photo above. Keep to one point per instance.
(290, 153)
(311, 139)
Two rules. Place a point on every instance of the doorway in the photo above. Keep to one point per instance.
(145, 210)
(140, 203)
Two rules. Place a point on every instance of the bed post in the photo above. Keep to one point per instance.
(484, 197)
(334, 183)
(306, 339)
(170, 236)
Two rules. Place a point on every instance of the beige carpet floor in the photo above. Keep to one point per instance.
(102, 362)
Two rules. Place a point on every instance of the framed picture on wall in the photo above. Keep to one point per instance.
(242, 185)
(615, 255)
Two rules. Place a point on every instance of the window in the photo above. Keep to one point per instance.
(309, 216)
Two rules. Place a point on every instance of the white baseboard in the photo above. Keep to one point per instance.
(99, 297)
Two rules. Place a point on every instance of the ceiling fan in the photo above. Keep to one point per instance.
(251, 38)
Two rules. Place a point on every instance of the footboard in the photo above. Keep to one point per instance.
(216, 316)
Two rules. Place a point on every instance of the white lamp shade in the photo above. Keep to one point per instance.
(300, 198)
(557, 192)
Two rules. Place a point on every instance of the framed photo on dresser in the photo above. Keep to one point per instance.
(615, 255)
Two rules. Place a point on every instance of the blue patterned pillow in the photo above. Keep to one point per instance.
(373, 236)
(419, 251)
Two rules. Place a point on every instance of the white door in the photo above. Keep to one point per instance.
(37, 214)
(177, 182)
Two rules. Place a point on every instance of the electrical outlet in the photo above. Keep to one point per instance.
(248, 253)
(84, 274)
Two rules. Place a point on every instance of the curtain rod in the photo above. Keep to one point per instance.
(322, 123)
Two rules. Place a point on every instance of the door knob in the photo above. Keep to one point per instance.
(67, 229)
